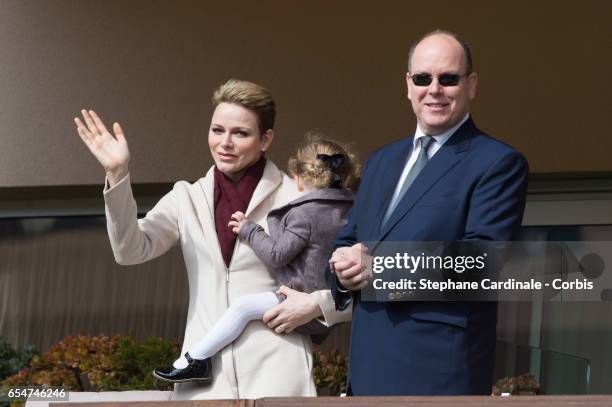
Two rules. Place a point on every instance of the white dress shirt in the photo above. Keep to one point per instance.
(439, 141)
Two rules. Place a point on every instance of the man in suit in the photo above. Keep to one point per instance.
(449, 181)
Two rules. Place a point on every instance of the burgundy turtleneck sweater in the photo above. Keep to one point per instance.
(231, 197)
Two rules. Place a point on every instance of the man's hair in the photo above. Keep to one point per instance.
(251, 96)
(466, 48)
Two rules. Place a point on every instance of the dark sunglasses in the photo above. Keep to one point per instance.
(446, 79)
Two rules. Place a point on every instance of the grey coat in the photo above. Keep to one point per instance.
(301, 238)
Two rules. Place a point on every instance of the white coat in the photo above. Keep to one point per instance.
(259, 363)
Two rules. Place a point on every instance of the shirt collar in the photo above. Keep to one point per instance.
(441, 138)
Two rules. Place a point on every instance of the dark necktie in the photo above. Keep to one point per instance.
(412, 174)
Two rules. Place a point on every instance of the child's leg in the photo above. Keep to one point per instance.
(231, 324)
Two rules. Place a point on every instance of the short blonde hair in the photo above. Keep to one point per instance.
(315, 172)
(251, 96)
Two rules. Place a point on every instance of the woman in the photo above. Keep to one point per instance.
(220, 268)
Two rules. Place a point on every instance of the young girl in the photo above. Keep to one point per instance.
(298, 248)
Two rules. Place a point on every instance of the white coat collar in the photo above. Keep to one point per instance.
(270, 180)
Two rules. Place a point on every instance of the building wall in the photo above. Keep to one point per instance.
(544, 83)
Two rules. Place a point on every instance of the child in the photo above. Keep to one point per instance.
(298, 248)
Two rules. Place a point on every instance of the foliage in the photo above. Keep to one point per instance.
(103, 363)
(329, 372)
(98, 363)
(522, 385)
(12, 360)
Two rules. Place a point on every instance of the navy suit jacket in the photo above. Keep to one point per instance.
(474, 187)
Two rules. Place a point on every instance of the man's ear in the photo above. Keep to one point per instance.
(472, 84)
(266, 139)
(408, 85)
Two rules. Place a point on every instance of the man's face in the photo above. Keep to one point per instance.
(437, 107)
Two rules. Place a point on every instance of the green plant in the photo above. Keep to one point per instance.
(522, 385)
(139, 360)
(329, 372)
(12, 360)
(98, 363)
(103, 363)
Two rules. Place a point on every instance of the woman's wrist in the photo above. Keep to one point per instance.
(117, 174)
(315, 308)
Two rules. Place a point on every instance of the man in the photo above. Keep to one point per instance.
(459, 184)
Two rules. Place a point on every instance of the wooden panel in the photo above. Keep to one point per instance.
(462, 401)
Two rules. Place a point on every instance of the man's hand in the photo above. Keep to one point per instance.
(352, 266)
(298, 309)
(238, 221)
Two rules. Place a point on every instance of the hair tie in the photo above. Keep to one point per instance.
(334, 162)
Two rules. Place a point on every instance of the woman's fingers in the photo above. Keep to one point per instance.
(90, 123)
(86, 139)
(285, 328)
(98, 122)
(83, 132)
(118, 132)
(278, 320)
(270, 315)
(284, 290)
(110, 151)
(274, 317)
(81, 126)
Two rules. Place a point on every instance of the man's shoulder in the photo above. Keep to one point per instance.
(484, 144)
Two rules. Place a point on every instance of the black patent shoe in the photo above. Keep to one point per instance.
(198, 370)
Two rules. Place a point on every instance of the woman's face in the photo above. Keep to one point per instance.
(235, 140)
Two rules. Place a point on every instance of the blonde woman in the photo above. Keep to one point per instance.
(220, 267)
(297, 248)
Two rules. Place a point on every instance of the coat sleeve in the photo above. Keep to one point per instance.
(331, 316)
(347, 236)
(498, 200)
(278, 252)
(136, 240)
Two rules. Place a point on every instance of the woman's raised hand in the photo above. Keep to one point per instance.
(110, 150)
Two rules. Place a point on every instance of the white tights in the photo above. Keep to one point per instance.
(231, 325)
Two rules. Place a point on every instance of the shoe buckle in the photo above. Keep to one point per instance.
(190, 360)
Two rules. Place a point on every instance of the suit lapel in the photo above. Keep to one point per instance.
(390, 176)
(449, 155)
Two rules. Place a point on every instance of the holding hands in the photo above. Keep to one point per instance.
(110, 150)
(352, 266)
